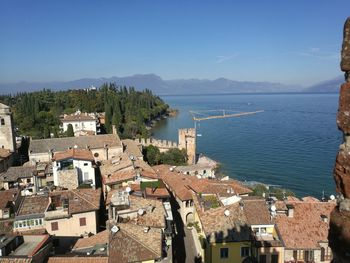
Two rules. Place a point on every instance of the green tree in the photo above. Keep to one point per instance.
(152, 155)
(70, 131)
(174, 157)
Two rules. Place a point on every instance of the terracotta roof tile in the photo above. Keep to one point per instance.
(154, 217)
(78, 117)
(257, 212)
(77, 259)
(221, 228)
(132, 148)
(62, 144)
(157, 193)
(32, 205)
(182, 184)
(16, 172)
(8, 196)
(99, 238)
(80, 200)
(305, 229)
(79, 154)
(132, 244)
(117, 169)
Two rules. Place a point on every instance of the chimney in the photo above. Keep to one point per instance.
(114, 129)
(290, 211)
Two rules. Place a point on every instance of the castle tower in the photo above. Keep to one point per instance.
(7, 135)
(187, 141)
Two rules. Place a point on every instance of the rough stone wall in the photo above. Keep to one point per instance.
(68, 179)
(7, 135)
(163, 145)
(339, 233)
(187, 141)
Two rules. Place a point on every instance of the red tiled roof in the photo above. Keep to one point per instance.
(33, 205)
(77, 259)
(81, 200)
(79, 154)
(78, 117)
(132, 244)
(8, 196)
(99, 238)
(181, 185)
(305, 229)
(158, 192)
(118, 176)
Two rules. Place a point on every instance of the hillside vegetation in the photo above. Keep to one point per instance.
(37, 114)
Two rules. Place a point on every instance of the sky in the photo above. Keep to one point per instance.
(291, 42)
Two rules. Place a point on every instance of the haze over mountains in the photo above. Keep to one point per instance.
(175, 87)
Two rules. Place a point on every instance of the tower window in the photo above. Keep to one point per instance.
(2, 121)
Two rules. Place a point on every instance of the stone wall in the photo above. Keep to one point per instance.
(163, 145)
(68, 178)
(339, 233)
(187, 141)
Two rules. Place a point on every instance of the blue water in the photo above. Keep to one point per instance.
(293, 143)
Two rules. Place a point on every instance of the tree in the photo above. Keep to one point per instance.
(70, 131)
(152, 154)
(174, 157)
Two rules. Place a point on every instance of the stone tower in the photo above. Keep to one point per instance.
(187, 141)
(7, 135)
(339, 234)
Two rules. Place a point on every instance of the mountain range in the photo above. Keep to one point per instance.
(175, 87)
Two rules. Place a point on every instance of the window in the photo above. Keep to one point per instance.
(28, 180)
(262, 259)
(54, 226)
(2, 122)
(96, 154)
(274, 258)
(295, 254)
(244, 252)
(308, 255)
(86, 164)
(326, 254)
(224, 252)
(82, 221)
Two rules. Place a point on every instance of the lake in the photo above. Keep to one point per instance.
(293, 143)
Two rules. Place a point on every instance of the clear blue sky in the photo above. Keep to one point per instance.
(293, 42)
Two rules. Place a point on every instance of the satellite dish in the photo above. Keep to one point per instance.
(273, 208)
(140, 212)
(332, 197)
(115, 229)
(128, 189)
(227, 212)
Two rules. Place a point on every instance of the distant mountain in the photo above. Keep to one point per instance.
(329, 86)
(158, 85)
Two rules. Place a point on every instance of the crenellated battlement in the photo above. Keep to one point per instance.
(161, 144)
